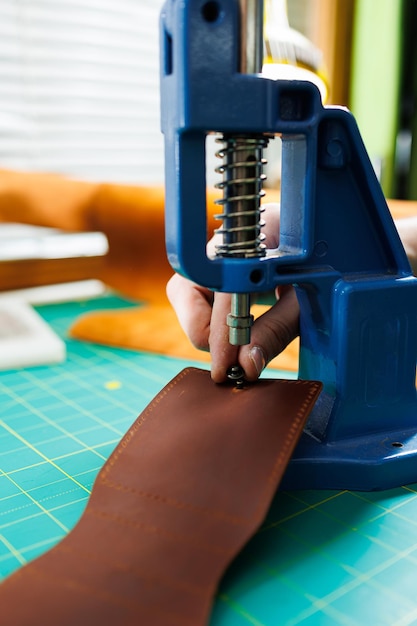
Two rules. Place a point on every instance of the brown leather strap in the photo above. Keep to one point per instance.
(176, 501)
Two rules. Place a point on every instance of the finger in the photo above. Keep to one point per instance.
(192, 305)
(271, 216)
(271, 333)
(223, 355)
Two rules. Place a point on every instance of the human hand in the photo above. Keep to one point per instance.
(202, 315)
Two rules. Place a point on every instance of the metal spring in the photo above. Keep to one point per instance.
(242, 193)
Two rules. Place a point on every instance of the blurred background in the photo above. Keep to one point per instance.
(79, 84)
(79, 88)
(81, 152)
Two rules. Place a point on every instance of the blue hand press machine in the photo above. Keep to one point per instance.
(338, 244)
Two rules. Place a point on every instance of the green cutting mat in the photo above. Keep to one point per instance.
(320, 558)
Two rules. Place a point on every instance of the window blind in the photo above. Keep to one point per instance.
(79, 88)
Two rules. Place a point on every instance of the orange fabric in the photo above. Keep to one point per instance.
(45, 200)
(155, 328)
(132, 217)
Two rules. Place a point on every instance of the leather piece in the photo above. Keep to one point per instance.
(179, 497)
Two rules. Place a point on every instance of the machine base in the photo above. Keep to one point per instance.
(375, 462)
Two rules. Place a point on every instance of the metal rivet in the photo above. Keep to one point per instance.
(236, 375)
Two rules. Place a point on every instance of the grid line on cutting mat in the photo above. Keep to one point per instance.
(320, 558)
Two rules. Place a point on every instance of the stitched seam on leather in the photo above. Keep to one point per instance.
(294, 429)
(127, 439)
(272, 476)
(86, 589)
(168, 582)
(111, 598)
(174, 537)
(177, 504)
(135, 427)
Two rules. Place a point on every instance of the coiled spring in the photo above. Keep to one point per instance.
(242, 192)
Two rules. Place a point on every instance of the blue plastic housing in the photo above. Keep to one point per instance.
(338, 246)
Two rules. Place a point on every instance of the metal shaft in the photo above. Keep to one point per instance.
(240, 319)
(251, 36)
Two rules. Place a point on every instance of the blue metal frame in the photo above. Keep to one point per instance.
(338, 246)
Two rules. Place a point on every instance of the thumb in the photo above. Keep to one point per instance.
(271, 333)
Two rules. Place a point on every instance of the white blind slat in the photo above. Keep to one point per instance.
(79, 88)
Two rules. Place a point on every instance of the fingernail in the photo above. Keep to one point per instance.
(257, 357)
